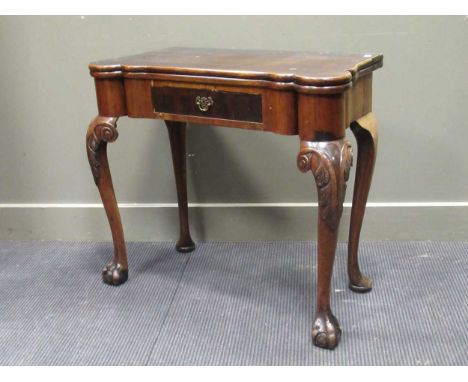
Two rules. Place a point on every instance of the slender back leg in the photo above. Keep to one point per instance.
(330, 163)
(101, 131)
(177, 137)
(366, 133)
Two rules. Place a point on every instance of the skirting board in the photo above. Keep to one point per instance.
(443, 222)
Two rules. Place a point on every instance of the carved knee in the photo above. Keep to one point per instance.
(101, 131)
(330, 163)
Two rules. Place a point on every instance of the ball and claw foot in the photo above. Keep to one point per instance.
(185, 246)
(326, 331)
(113, 274)
(363, 286)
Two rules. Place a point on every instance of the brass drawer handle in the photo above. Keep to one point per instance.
(204, 103)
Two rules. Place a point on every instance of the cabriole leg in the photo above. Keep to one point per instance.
(330, 163)
(365, 131)
(177, 136)
(101, 131)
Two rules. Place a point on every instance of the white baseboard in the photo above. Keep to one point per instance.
(444, 221)
(232, 205)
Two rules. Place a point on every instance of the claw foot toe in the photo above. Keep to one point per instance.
(364, 285)
(114, 274)
(326, 331)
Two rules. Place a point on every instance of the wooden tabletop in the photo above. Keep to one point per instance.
(302, 68)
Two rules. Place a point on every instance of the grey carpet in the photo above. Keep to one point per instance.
(229, 304)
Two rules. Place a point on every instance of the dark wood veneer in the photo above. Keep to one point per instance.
(313, 95)
(225, 105)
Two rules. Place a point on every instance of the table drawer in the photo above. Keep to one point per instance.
(208, 103)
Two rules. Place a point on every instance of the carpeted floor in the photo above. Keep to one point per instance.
(229, 304)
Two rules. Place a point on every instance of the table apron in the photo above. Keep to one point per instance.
(314, 117)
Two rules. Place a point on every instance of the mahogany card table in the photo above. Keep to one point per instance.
(313, 95)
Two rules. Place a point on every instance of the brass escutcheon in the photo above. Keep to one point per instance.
(204, 103)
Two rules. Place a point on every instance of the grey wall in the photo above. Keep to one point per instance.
(47, 100)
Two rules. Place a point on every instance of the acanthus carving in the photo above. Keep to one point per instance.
(330, 162)
(101, 131)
